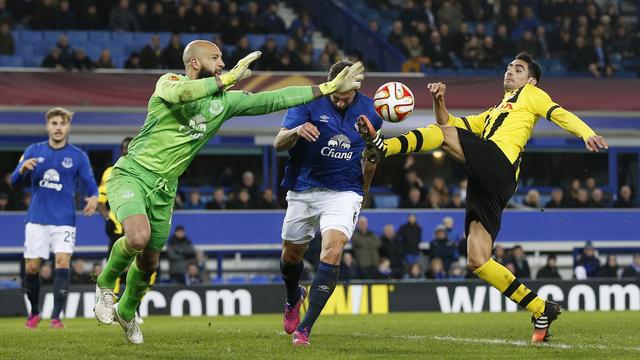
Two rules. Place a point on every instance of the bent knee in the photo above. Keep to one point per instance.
(290, 257)
(138, 238)
(148, 264)
(475, 261)
(332, 255)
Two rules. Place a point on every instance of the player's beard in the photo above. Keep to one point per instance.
(205, 73)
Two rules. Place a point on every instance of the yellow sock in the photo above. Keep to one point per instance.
(418, 140)
(116, 289)
(502, 279)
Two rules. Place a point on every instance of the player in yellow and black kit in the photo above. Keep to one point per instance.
(489, 147)
(113, 227)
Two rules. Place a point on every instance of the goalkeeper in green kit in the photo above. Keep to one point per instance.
(183, 113)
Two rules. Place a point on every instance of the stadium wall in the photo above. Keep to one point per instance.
(551, 230)
(107, 89)
(351, 299)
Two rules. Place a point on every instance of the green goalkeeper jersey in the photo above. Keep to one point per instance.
(183, 114)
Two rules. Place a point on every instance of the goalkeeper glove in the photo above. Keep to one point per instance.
(240, 71)
(348, 79)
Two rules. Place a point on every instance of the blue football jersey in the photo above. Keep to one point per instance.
(334, 161)
(53, 182)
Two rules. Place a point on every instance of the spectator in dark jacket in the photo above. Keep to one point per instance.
(610, 269)
(624, 198)
(122, 18)
(348, 268)
(218, 201)
(550, 270)
(410, 234)
(7, 43)
(633, 270)
(180, 250)
(442, 247)
(267, 200)
(556, 200)
(520, 263)
(172, 54)
(393, 250)
(151, 54)
(436, 270)
(81, 61)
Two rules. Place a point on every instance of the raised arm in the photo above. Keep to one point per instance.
(473, 123)
(176, 89)
(265, 102)
(440, 111)
(542, 105)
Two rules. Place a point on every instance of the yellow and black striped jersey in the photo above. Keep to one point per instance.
(510, 123)
(102, 198)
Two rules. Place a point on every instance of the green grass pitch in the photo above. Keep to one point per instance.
(577, 335)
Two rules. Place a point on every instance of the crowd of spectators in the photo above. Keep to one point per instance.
(230, 21)
(586, 36)
(387, 256)
(416, 193)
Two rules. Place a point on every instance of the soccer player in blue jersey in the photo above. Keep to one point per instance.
(326, 180)
(53, 166)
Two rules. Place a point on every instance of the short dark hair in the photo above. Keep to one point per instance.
(337, 68)
(535, 71)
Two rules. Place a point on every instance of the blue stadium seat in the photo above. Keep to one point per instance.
(11, 61)
(142, 38)
(389, 201)
(123, 37)
(100, 36)
(76, 37)
(280, 39)
(9, 284)
(51, 36)
(189, 37)
(32, 61)
(259, 279)
(93, 51)
(256, 41)
(28, 36)
(236, 279)
(25, 49)
(228, 51)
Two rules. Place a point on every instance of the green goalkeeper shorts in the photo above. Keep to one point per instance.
(134, 190)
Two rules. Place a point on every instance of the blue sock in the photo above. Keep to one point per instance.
(321, 289)
(32, 289)
(291, 276)
(60, 291)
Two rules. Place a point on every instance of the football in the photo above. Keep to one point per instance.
(393, 102)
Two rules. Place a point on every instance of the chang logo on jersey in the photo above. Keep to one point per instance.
(51, 180)
(196, 129)
(337, 146)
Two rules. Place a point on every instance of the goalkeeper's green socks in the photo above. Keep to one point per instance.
(120, 258)
(137, 284)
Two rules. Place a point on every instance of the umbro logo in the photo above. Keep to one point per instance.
(324, 118)
(323, 288)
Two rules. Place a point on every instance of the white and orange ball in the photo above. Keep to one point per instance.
(393, 102)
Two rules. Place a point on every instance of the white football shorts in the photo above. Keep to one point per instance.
(328, 209)
(40, 239)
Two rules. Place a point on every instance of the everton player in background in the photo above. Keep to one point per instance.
(54, 167)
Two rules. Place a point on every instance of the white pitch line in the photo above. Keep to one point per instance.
(526, 343)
